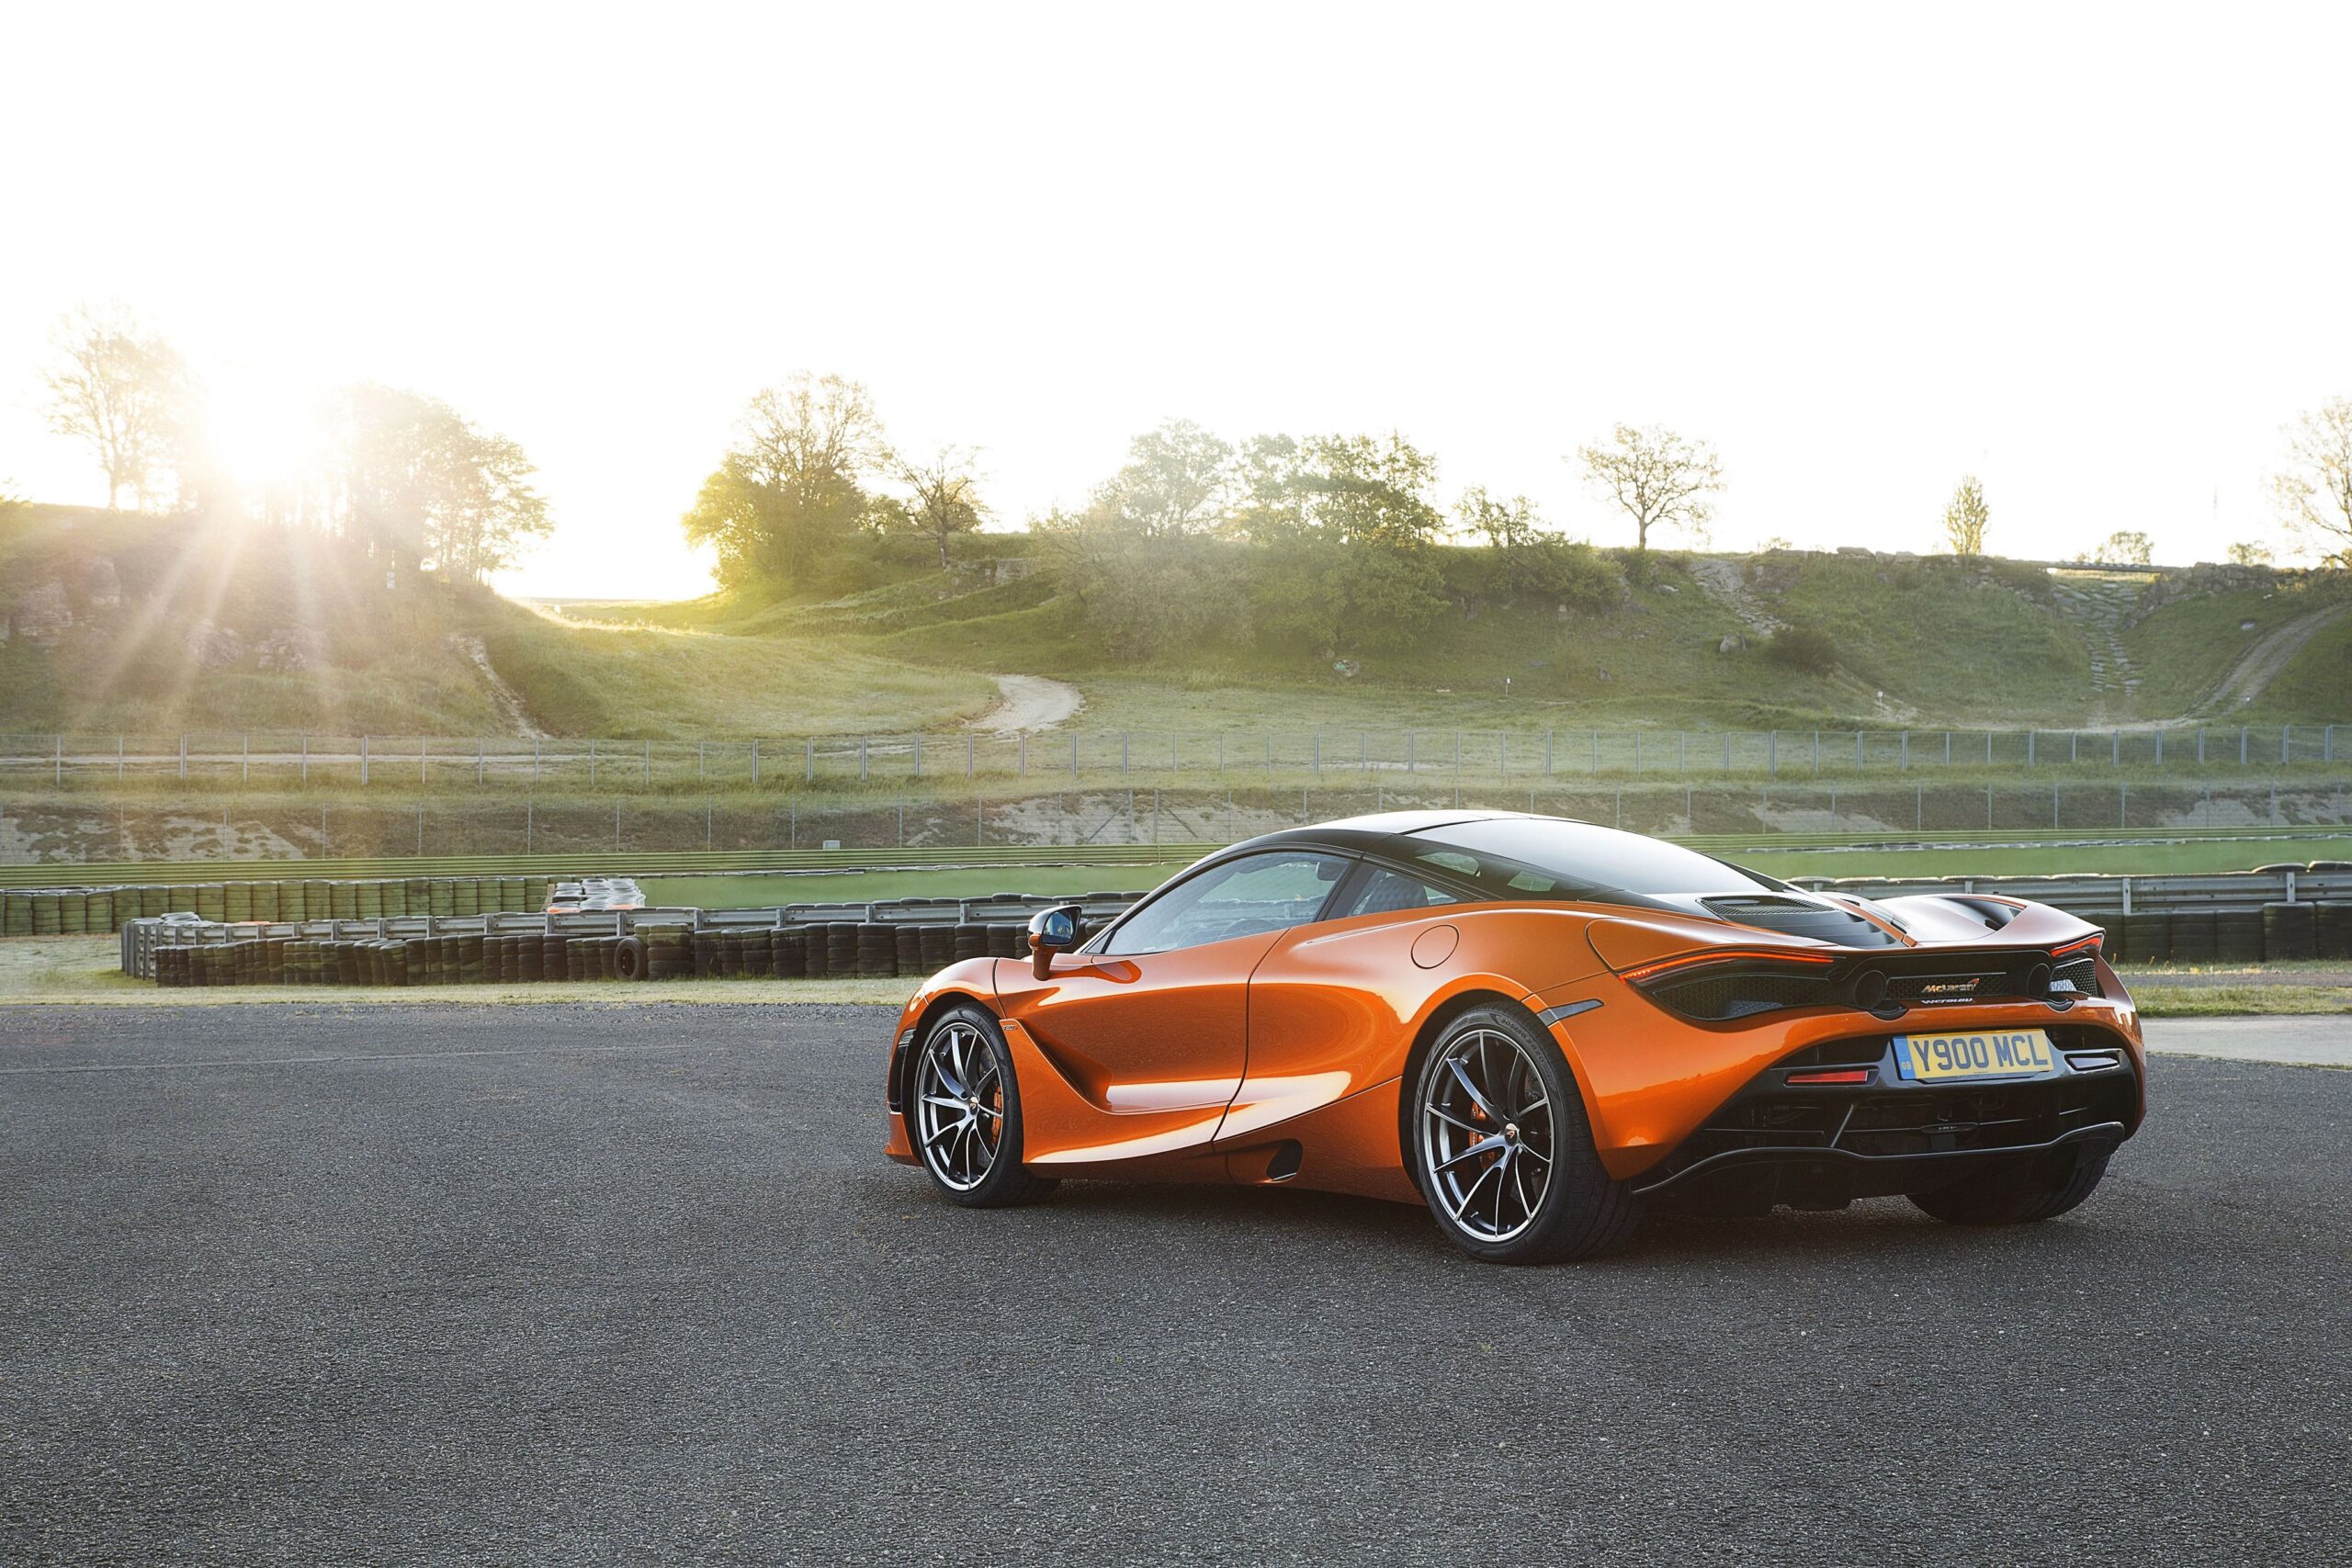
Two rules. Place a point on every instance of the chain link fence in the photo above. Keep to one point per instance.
(66, 830)
(283, 759)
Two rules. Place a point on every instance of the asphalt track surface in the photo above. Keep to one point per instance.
(633, 1284)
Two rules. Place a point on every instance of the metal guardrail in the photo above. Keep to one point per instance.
(2092, 897)
(141, 937)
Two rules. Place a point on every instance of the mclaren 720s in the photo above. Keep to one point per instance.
(1538, 1028)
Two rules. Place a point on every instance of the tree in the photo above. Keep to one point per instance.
(1177, 480)
(2314, 489)
(411, 481)
(1511, 528)
(1965, 516)
(2249, 553)
(946, 495)
(1660, 479)
(2125, 546)
(792, 487)
(119, 387)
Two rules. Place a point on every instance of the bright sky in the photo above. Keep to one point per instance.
(2096, 256)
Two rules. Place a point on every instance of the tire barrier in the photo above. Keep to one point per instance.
(72, 911)
(867, 949)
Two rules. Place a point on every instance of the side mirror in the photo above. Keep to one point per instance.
(1053, 931)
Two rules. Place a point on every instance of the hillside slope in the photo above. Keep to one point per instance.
(152, 626)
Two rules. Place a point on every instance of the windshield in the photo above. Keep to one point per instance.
(1538, 857)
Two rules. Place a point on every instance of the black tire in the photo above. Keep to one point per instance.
(2019, 1192)
(629, 958)
(946, 1156)
(1580, 1210)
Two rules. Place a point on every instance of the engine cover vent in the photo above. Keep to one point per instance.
(1799, 917)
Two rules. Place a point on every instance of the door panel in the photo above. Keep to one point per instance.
(1155, 1042)
(1328, 1012)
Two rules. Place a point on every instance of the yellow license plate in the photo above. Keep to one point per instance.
(1983, 1053)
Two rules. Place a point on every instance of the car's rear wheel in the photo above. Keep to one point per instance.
(1502, 1149)
(2020, 1191)
(965, 1113)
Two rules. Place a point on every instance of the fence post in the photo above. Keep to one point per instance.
(529, 813)
(755, 765)
(2029, 747)
(861, 759)
(363, 762)
(60, 774)
(2115, 748)
(420, 826)
(535, 759)
(2160, 746)
(648, 774)
(1947, 748)
(1547, 755)
(917, 756)
(1772, 753)
(2241, 737)
(1318, 762)
(1363, 752)
(1726, 753)
(1903, 758)
(2285, 732)
(2123, 802)
(970, 753)
(1637, 754)
(1596, 754)
(1073, 755)
(979, 820)
(1920, 807)
(698, 760)
(710, 809)
(1816, 754)
(2074, 746)
(1988, 808)
(424, 749)
(1270, 751)
(1024, 753)
(478, 761)
(616, 826)
(1858, 750)
(61, 757)
(245, 760)
(306, 756)
(117, 756)
(2054, 804)
(1412, 761)
(1125, 738)
(1502, 765)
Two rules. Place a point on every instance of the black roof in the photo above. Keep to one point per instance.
(1370, 831)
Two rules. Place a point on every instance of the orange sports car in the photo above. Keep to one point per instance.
(1539, 1027)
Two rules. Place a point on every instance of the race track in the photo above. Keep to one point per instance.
(633, 1284)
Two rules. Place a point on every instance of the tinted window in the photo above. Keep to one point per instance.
(1242, 898)
(1533, 857)
(1385, 892)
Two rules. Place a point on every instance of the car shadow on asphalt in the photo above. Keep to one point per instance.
(1869, 1227)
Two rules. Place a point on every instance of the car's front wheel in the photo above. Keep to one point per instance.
(1502, 1149)
(2018, 1191)
(965, 1113)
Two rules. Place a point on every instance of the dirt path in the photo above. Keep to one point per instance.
(502, 698)
(1030, 702)
(1727, 585)
(2266, 658)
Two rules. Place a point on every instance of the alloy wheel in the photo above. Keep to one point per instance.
(1487, 1135)
(959, 1106)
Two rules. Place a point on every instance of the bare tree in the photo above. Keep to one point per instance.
(2314, 490)
(1965, 516)
(1661, 480)
(945, 494)
(118, 388)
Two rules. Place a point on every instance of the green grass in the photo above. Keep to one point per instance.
(878, 887)
(2111, 859)
(2182, 651)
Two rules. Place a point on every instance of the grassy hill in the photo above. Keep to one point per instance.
(152, 626)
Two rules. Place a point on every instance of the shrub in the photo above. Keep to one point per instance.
(1806, 648)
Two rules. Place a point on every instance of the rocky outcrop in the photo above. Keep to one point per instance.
(213, 646)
